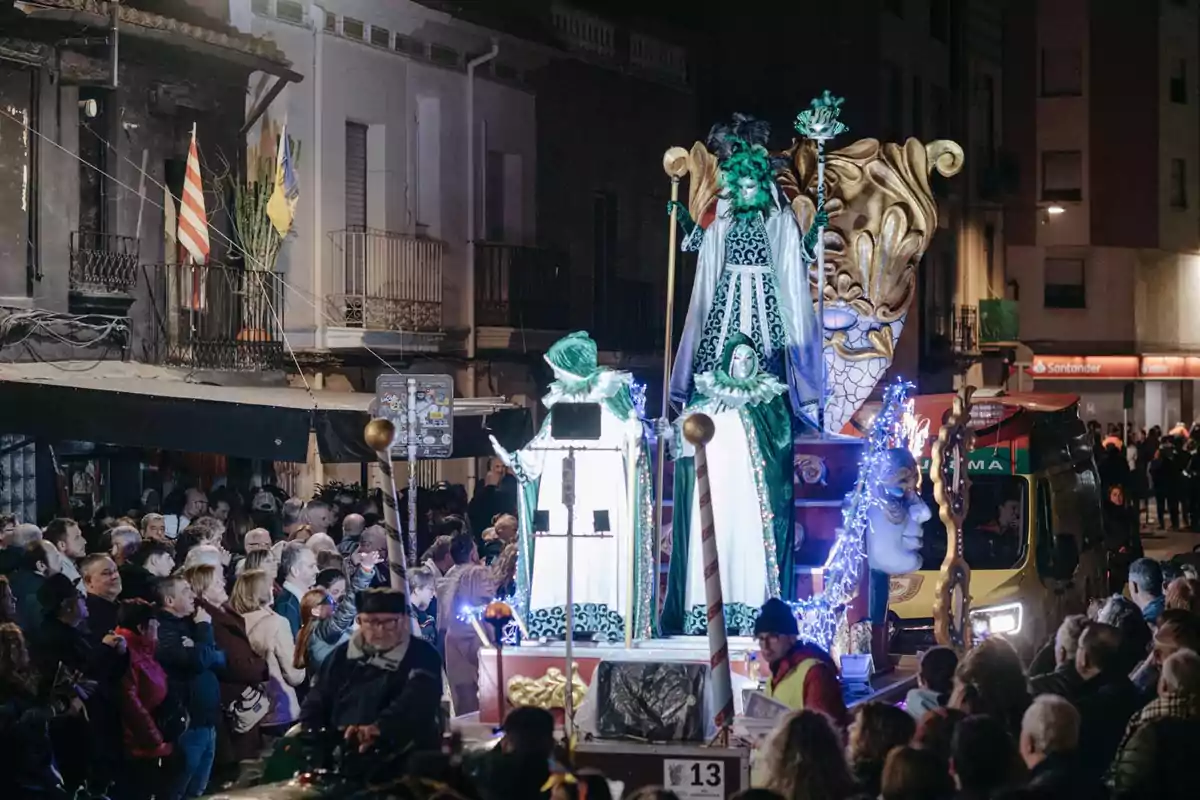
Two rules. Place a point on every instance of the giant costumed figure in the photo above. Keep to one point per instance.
(613, 570)
(750, 343)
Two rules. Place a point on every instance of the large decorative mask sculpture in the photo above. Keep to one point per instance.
(896, 515)
(882, 216)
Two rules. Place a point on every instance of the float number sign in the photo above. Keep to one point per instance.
(694, 780)
(434, 404)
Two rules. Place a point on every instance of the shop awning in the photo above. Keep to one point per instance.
(141, 405)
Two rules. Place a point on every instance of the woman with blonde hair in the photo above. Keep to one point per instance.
(271, 637)
(804, 759)
(325, 621)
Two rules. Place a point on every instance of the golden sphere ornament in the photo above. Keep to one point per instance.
(699, 429)
(379, 434)
(498, 611)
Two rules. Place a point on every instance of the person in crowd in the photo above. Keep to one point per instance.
(321, 543)
(1124, 615)
(914, 774)
(334, 582)
(1049, 746)
(518, 767)
(143, 690)
(803, 759)
(352, 529)
(154, 528)
(191, 659)
(140, 575)
(271, 637)
(65, 535)
(125, 541)
(1158, 756)
(22, 535)
(802, 675)
(935, 681)
(8, 524)
(326, 621)
(1106, 697)
(936, 729)
(256, 539)
(8, 601)
(1177, 630)
(473, 587)
(29, 768)
(437, 559)
(298, 571)
(240, 681)
(319, 515)
(1064, 680)
(374, 540)
(293, 518)
(195, 505)
(1146, 588)
(876, 729)
(102, 580)
(495, 494)
(423, 586)
(39, 561)
(74, 665)
(1183, 594)
(983, 757)
(991, 680)
(465, 554)
(383, 686)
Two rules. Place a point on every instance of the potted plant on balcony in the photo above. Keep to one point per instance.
(261, 223)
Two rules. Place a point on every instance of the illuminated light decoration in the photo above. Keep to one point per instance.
(818, 617)
(477, 614)
(915, 430)
(637, 391)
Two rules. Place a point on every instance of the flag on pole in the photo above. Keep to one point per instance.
(281, 207)
(193, 221)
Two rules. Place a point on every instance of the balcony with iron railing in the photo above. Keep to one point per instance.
(384, 281)
(103, 272)
(216, 317)
(521, 287)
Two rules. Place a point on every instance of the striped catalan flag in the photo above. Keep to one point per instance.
(193, 224)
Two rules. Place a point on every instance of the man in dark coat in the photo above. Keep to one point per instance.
(1106, 699)
(384, 686)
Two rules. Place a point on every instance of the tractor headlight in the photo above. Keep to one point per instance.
(1005, 620)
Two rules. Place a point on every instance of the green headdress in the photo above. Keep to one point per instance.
(756, 387)
(573, 358)
(747, 161)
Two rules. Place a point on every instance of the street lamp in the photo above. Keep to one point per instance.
(1055, 210)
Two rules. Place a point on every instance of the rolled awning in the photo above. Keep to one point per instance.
(141, 405)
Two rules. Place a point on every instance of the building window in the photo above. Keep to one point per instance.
(1062, 72)
(893, 100)
(1179, 82)
(1064, 285)
(410, 46)
(353, 28)
(262, 7)
(290, 11)
(939, 20)
(918, 107)
(380, 36)
(1062, 175)
(896, 7)
(330, 22)
(1179, 183)
(445, 56)
(17, 199)
(356, 176)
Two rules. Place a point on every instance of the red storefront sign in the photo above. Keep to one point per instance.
(1084, 367)
(1125, 368)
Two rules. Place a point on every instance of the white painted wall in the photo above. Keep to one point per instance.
(1167, 287)
(1110, 280)
(416, 161)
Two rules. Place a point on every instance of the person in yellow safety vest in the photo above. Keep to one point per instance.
(803, 676)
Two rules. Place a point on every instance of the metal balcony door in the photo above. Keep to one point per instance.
(356, 209)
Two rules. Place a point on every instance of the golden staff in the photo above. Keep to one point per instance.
(379, 435)
(675, 164)
(952, 491)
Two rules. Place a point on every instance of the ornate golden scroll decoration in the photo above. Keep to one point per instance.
(548, 691)
(952, 490)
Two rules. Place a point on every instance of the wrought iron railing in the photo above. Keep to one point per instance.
(955, 330)
(521, 287)
(103, 262)
(385, 281)
(217, 317)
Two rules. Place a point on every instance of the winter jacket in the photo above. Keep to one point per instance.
(24, 584)
(243, 668)
(138, 584)
(1059, 777)
(287, 605)
(271, 637)
(807, 678)
(29, 771)
(143, 689)
(1159, 753)
(1105, 703)
(400, 691)
(102, 617)
(329, 633)
(1064, 681)
(191, 671)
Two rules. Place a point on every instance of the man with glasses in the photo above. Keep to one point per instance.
(383, 687)
(803, 676)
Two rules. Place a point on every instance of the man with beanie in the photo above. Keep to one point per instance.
(382, 687)
(803, 676)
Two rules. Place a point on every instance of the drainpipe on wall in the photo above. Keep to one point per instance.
(318, 24)
(470, 389)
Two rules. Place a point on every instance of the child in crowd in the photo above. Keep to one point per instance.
(935, 679)
(423, 586)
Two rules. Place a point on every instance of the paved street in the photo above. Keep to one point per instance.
(1164, 544)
